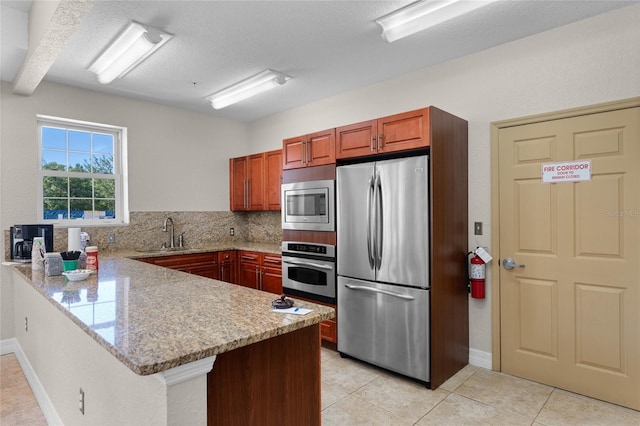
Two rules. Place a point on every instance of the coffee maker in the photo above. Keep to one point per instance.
(21, 240)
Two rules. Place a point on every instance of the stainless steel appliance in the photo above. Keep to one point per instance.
(383, 264)
(309, 205)
(21, 240)
(308, 270)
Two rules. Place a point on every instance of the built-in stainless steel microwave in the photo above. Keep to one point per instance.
(309, 206)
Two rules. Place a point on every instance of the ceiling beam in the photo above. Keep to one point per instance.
(51, 24)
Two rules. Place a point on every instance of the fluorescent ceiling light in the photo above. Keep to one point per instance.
(131, 47)
(424, 14)
(258, 83)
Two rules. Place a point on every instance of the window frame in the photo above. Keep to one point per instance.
(119, 164)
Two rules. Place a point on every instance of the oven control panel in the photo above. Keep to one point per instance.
(323, 250)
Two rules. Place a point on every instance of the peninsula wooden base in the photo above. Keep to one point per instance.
(273, 382)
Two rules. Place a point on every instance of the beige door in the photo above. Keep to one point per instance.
(570, 317)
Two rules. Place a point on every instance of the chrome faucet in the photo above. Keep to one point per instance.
(164, 229)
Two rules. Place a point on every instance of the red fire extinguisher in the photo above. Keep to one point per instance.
(477, 276)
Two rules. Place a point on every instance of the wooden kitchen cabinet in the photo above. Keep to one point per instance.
(357, 140)
(238, 180)
(261, 271)
(254, 181)
(247, 183)
(228, 266)
(248, 268)
(216, 265)
(272, 273)
(202, 264)
(273, 179)
(315, 149)
(398, 132)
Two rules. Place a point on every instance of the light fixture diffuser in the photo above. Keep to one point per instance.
(424, 14)
(251, 86)
(130, 48)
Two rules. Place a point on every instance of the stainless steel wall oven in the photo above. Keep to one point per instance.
(309, 270)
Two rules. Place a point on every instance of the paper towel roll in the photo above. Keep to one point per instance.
(74, 239)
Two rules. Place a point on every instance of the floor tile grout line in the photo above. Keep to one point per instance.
(508, 413)
(531, 422)
(365, 401)
(553, 390)
(449, 393)
(473, 373)
(434, 407)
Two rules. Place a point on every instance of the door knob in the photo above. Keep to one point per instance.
(509, 263)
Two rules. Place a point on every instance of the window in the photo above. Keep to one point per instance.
(82, 172)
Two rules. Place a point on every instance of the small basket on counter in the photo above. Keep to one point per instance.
(53, 264)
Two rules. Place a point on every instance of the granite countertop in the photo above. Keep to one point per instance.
(153, 318)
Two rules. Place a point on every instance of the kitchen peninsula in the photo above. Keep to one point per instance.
(142, 344)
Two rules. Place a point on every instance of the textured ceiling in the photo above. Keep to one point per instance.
(327, 47)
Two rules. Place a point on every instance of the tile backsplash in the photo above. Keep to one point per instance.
(200, 229)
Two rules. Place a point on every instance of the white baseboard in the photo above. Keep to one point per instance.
(8, 346)
(480, 358)
(12, 345)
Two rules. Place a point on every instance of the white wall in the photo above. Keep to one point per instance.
(178, 160)
(592, 61)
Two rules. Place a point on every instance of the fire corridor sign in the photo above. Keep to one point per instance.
(573, 171)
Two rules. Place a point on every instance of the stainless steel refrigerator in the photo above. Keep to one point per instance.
(383, 264)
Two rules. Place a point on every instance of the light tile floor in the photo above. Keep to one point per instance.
(18, 406)
(355, 393)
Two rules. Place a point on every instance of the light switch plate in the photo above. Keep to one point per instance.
(477, 228)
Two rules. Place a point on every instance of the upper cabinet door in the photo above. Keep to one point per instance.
(321, 148)
(357, 140)
(256, 195)
(273, 178)
(293, 152)
(408, 130)
(315, 149)
(238, 170)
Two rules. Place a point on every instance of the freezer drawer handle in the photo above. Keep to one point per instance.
(312, 265)
(376, 290)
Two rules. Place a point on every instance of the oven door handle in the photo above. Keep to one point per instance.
(312, 265)
(377, 290)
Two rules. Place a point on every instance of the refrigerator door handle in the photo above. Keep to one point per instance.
(379, 227)
(370, 201)
(377, 290)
